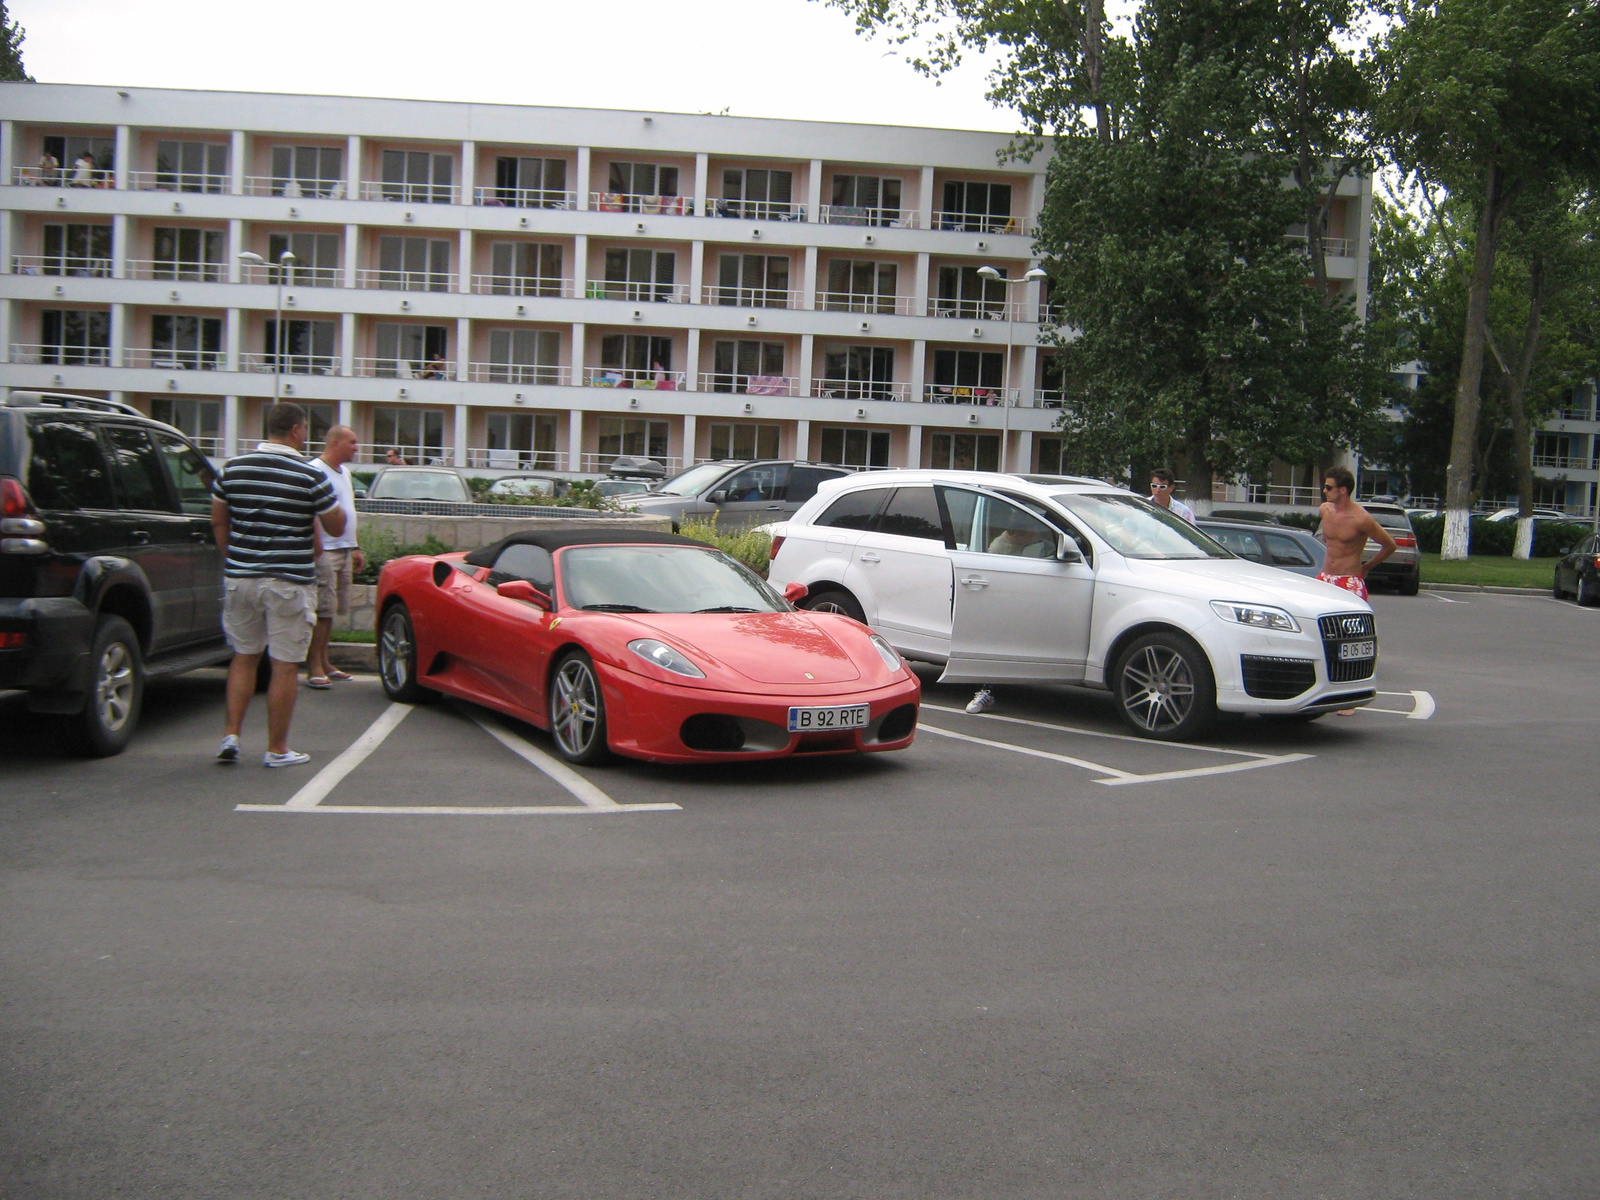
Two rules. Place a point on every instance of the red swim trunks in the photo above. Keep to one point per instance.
(1350, 583)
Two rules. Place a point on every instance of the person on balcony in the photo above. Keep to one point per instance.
(49, 170)
(83, 171)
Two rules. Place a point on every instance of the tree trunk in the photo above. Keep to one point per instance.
(1094, 67)
(1516, 389)
(1199, 483)
(1458, 476)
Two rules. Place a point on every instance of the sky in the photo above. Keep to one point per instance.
(794, 59)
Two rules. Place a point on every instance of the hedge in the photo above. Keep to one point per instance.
(1496, 539)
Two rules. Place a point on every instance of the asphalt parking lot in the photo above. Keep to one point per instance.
(1027, 957)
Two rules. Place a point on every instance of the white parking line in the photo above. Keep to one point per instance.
(1272, 760)
(332, 775)
(923, 727)
(1115, 737)
(1421, 709)
(594, 800)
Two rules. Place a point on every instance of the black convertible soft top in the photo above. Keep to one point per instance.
(555, 539)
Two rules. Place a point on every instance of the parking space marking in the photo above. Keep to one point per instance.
(1269, 760)
(1061, 758)
(332, 775)
(1099, 733)
(1421, 709)
(593, 799)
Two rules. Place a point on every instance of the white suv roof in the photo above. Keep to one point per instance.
(1040, 484)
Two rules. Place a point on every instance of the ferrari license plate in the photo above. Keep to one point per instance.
(1357, 650)
(844, 716)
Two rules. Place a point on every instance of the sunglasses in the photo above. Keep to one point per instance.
(1160, 487)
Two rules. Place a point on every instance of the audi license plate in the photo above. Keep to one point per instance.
(845, 716)
(1349, 650)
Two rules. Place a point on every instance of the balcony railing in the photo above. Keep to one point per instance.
(959, 393)
(414, 455)
(1271, 493)
(883, 218)
(1049, 397)
(403, 368)
(1561, 462)
(537, 374)
(1050, 314)
(62, 356)
(522, 285)
(61, 264)
(627, 377)
(856, 302)
(749, 385)
(408, 193)
(1575, 414)
(631, 202)
(294, 189)
(860, 389)
(1332, 247)
(958, 222)
(179, 181)
(499, 197)
(406, 281)
(179, 272)
(211, 446)
(637, 293)
(750, 297)
(298, 276)
(599, 464)
(496, 458)
(289, 364)
(174, 360)
(972, 310)
(754, 210)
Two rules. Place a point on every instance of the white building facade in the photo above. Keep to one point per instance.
(500, 287)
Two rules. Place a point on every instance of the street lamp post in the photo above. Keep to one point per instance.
(285, 261)
(989, 273)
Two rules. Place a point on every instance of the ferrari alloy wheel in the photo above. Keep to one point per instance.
(578, 711)
(1164, 688)
(397, 657)
(836, 601)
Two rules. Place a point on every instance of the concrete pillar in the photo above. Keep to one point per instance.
(232, 336)
(463, 348)
(352, 254)
(469, 174)
(919, 287)
(925, 200)
(802, 440)
(238, 153)
(347, 413)
(460, 430)
(697, 271)
(580, 265)
(575, 439)
(1027, 380)
(582, 182)
(122, 153)
(808, 350)
(119, 334)
(230, 425)
(347, 347)
(235, 248)
(464, 257)
(1036, 199)
(579, 355)
(814, 191)
(691, 373)
(8, 153)
(702, 172)
(919, 369)
(1022, 450)
(691, 434)
(808, 280)
(914, 446)
(119, 246)
(352, 166)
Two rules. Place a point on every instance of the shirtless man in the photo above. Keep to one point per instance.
(1345, 530)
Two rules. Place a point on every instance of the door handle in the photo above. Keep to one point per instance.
(200, 537)
(139, 537)
(774, 508)
(975, 581)
(869, 556)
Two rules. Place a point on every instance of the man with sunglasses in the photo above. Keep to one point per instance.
(1346, 526)
(1161, 493)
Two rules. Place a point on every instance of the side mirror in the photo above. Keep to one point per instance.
(717, 497)
(1067, 550)
(521, 589)
(796, 592)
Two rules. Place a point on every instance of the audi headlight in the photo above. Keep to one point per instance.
(1257, 616)
(665, 657)
(885, 652)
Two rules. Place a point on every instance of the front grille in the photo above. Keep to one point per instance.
(1347, 627)
(1277, 678)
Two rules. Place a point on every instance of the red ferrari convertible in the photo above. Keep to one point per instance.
(642, 644)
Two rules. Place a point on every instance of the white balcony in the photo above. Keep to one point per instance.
(855, 302)
(749, 297)
(749, 385)
(974, 310)
(402, 368)
(177, 272)
(406, 281)
(1049, 397)
(499, 197)
(414, 454)
(637, 293)
(508, 458)
(61, 356)
(631, 202)
(289, 364)
(298, 275)
(193, 182)
(957, 222)
(754, 210)
(70, 265)
(599, 464)
(626, 377)
(880, 218)
(294, 189)
(1332, 247)
(408, 193)
(174, 360)
(551, 286)
(1561, 462)
(957, 393)
(860, 389)
(533, 374)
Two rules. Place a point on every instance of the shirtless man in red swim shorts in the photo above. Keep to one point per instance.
(1345, 530)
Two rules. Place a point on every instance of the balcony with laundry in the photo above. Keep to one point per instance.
(869, 196)
(642, 361)
(631, 182)
(750, 366)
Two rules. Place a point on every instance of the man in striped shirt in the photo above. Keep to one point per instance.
(262, 509)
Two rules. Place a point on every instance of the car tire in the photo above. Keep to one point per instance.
(1411, 584)
(397, 657)
(1587, 596)
(1164, 687)
(116, 693)
(836, 601)
(1557, 591)
(578, 711)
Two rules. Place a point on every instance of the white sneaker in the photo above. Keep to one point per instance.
(228, 752)
(289, 758)
(982, 702)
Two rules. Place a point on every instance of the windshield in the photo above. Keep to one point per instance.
(668, 579)
(693, 481)
(1136, 529)
(433, 485)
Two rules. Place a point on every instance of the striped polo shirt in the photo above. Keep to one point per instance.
(273, 495)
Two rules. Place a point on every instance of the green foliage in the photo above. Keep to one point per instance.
(380, 545)
(580, 493)
(1301, 520)
(1496, 539)
(751, 548)
(12, 36)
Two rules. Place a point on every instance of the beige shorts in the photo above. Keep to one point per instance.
(274, 615)
(333, 583)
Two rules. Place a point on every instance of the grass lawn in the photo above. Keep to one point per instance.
(352, 635)
(1487, 571)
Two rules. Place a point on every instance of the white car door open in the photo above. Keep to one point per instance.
(1019, 613)
(901, 567)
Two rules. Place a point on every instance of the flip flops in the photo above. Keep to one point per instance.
(320, 682)
(339, 676)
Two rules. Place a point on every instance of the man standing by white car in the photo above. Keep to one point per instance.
(339, 559)
(1161, 494)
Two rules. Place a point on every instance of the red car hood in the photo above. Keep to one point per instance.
(773, 647)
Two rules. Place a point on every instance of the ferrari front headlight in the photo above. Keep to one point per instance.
(885, 652)
(665, 657)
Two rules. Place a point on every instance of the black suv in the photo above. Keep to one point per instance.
(109, 574)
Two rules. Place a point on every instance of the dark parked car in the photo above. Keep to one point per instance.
(1578, 572)
(1281, 546)
(109, 574)
(742, 494)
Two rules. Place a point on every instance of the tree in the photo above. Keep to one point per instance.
(1493, 100)
(11, 38)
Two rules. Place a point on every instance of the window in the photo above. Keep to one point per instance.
(854, 510)
(184, 341)
(964, 451)
(1052, 381)
(1240, 542)
(997, 527)
(643, 179)
(640, 274)
(524, 356)
(320, 417)
(753, 280)
(913, 512)
(414, 264)
(199, 419)
(530, 182)
(306, 349)
(1051, 456)
(191, 255)
(634, 436)
(138, 476)
(758, 483)
(865, 287)
(630, 357)
(418, 433)
(858, 373)
(757, 193)
(748, 366)
(743, 441)
(865, 200)
(523, 561)
(525, 269)
(312, 171)
(316, 258)
(966, 376)
(191, 475)
(75, 336)
(412, 351)
(67, 469)
(853, 447)
(1285, 551)
(77, 250)
(417, 177)
(976, 207)
(804, 481)
(67, 151)
(521, 440)
(965, 293)
(192, 166)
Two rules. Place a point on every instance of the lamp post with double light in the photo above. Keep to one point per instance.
(285, 261)
(989, 273)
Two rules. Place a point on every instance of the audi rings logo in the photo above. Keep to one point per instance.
(1354, 625)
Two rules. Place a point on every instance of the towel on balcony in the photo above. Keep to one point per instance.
(609, 379)
(766, 385)
(611, 202)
